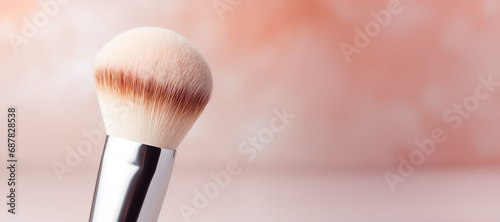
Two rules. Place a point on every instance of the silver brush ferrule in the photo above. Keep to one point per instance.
(132, 182)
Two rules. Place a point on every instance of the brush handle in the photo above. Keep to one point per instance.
(132, 182)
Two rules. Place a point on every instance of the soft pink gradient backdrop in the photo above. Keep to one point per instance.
(353, 119)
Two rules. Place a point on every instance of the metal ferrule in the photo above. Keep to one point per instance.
(132, 182)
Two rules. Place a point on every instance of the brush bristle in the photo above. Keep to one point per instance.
(152, 85)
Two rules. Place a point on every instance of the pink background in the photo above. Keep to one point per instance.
(352, 121)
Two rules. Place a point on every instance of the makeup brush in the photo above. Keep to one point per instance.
(152, 84)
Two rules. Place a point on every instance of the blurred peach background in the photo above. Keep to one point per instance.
(353, 119)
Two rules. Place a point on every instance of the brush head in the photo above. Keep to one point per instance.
(152, 85)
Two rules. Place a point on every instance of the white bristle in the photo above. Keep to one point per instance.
(152, 85)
